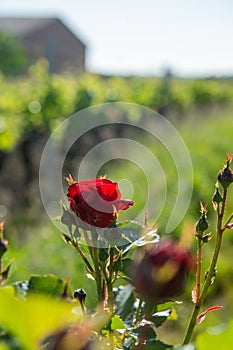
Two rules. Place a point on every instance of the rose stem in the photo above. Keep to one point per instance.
(138, 310)
(110, 280)
(1, 237)
(83, 256)
(95, 258)
(228, 221)
(198, 276)
(88, 242)
(211, 270)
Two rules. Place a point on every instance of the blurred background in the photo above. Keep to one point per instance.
(56, 59)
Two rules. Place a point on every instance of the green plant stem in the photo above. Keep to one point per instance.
(1, 277)
(198, 276)
(89, 244)
(110, 280)
(228, 221)
(87, 238)
(84, 258)
(98, 276)
(110, 291)
(138, 310)
(211, 271)
(82, 307)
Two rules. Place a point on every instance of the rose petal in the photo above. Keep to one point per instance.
(95, 201)
(123, 204)
(108, 190)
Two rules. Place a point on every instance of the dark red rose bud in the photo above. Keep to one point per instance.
(217, 198)
(161, 274)
(96, 201)
(225, 176)
(3, 247)
(202, 225)
(80, 294)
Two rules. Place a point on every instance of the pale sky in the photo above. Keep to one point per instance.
(144, 37)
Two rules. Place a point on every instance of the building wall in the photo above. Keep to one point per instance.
(56, 43)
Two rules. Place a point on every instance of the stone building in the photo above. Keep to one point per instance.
(49, 38)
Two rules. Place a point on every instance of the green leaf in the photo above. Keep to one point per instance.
(4, 347)
(160, 317)
(124, 266)
(116, 323)
(103, 254)
(8, 341)
(184, 347)
(129, 231)
(9, 290)
(21, 288)
(128, 343)
(124, 301)
(32, 319)
(135, 235)
(147, 335)
(157, 345)
(146, 325)
(50, 285)
(167, 305)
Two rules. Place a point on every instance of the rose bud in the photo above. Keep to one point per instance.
(225, 176)
(80, 294)
(161, 274)
(3, 247)
(96, 201)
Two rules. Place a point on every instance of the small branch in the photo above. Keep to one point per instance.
(95, 258)
(110, 280)
(87, 238)
(84, 258)
(227, 222)
(198, 275)
(137, 316)
(211, 271)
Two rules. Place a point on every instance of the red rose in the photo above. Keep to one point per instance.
(161, 273)
(96, 201)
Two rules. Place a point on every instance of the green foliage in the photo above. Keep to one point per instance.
(216, 337)
(12, 56)
(138, 235)
(49, 285)
(32, 319)
(116, 323)
(39, 101)
(124, 300)
(34, 105)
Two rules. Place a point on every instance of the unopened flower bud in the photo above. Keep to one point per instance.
(161, 273)
(225, 176)
(202, 223)
(80, 295)
(217, 198)
(3, 247)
